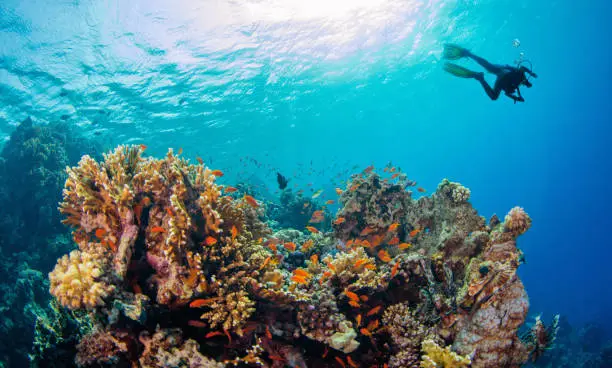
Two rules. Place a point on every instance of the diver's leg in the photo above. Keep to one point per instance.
(491, 68)
(493, 93)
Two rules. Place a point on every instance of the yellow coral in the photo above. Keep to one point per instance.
(438, 357)
(75, 281)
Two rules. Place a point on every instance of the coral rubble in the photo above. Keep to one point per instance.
(176, 273)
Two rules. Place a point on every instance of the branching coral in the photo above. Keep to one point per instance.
(77, 281)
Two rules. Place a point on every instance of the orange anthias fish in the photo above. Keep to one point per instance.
(365, 331)
(308, 244)
(367, 231)
(358, 320)
(394, 241)
(393, 227)
(180, 150)
(351, 295)
(414, 232)
(251, 201)
(200, 161)
(210, 241)
(330, 201)
(230, 189)
(314, 259)
(373, 311)
(217, 173)
(299, 279)
(340, 361)
(302, 273)
(421, 190)
(394, 176)
(265, 262)
(143, 147)
(203, 302)
(354, 304)
(351, 362)
(290, 246)
(354, 187)
(369, 169)
(234, 232)
(213, 334)
(404, 246)
(338, 191)
(317, 216)
(384, 256)
(366, 244)
(100, 233)
(312, 229)
(360, 262)
(364, 298)
(339, 220)
(194, 323)
(158, 229)
(394, 269)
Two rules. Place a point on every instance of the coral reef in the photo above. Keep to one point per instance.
(177, 273)
(32, 237)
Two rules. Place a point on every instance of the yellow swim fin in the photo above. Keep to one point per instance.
(459, 71)
(454, 52)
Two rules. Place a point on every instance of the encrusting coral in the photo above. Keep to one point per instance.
(178, 272)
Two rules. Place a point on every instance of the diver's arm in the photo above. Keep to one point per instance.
(515, 98)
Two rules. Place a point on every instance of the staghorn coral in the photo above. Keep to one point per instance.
(517, 221)
(436, 357)
(77, 281)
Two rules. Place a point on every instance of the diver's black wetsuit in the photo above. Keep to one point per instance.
(508, 80)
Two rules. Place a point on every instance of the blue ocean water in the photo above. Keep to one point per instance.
(312, 89)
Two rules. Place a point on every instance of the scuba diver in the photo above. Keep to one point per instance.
(509, 78)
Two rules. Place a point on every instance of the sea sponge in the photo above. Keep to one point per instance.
(517, 221)
(76, 281)
(436, 356)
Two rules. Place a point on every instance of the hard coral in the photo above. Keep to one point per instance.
(436, 357)
(168, 349)
(77, 281)
(517, 221)
(100, 347)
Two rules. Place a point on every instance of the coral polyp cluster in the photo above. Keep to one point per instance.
(179, 271)
(76, 281)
